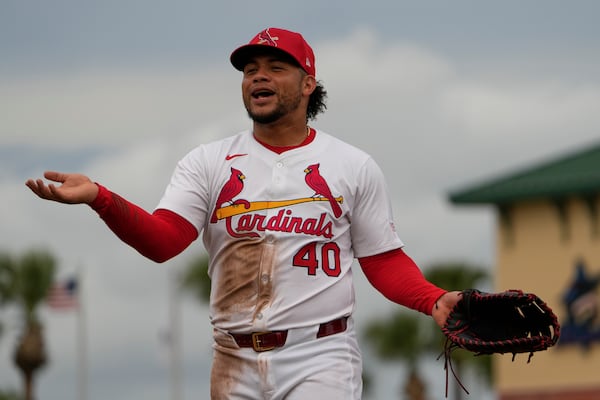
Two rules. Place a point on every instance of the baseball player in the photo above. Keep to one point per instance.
(283, 210)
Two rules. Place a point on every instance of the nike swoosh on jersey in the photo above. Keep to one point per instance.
(232, 156)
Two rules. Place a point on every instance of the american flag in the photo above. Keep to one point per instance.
(63, 295)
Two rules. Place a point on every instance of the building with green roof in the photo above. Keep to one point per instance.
(576, 174)
(548, 243)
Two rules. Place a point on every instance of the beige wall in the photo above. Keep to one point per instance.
(537, 253)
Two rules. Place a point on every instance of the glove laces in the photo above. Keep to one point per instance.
(449, 347)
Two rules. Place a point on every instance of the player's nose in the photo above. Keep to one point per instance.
(261, 75)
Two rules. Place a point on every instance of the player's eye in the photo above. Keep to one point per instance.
(278, 66)
(250, 69)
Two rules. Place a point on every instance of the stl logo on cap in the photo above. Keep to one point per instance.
(265, 37)
(286, 41)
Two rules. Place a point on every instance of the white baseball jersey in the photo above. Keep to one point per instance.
(282, 230)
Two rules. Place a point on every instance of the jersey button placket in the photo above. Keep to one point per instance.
(264, 279)
(278, 173)
(264, 293)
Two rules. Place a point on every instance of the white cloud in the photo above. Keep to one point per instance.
(373, 65)
(522, 109)
(111, 107)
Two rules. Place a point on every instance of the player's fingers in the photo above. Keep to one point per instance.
(30, 183)
(45, 191)
(55, 176)
(53, 193)
(37, 186)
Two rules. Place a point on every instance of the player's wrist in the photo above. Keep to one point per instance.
(91, 193)
(99, 197)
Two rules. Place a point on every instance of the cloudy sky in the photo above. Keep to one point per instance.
(442, 94)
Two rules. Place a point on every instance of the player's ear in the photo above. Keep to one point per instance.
(309, 84)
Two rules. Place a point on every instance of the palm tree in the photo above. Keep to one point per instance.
(195, 280)
(406, 336)
(6, 289)
(7, 273)
(25, 281)
(9, 395)
(400, 338)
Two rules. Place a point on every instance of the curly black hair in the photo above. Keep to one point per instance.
(316, 102)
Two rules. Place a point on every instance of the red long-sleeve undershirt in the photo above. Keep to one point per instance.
(400, 280)
(164, 234)
(159, 236)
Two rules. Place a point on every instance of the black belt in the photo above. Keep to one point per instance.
(265, 341)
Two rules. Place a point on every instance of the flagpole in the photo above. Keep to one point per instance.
(82, 373)
(175, 335)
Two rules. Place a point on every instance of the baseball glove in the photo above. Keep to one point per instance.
(505, 322)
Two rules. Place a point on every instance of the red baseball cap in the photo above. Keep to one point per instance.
(291, 43)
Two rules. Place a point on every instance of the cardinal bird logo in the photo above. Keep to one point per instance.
(232, 188)
(317, 183)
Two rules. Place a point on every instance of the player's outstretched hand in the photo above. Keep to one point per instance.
(74, 188)
(443, 306)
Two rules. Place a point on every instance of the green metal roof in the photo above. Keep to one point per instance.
(574, 174)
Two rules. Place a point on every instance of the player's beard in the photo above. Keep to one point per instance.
(285, 105)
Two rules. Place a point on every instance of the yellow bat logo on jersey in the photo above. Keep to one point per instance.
(242, 206)
(283, 221)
